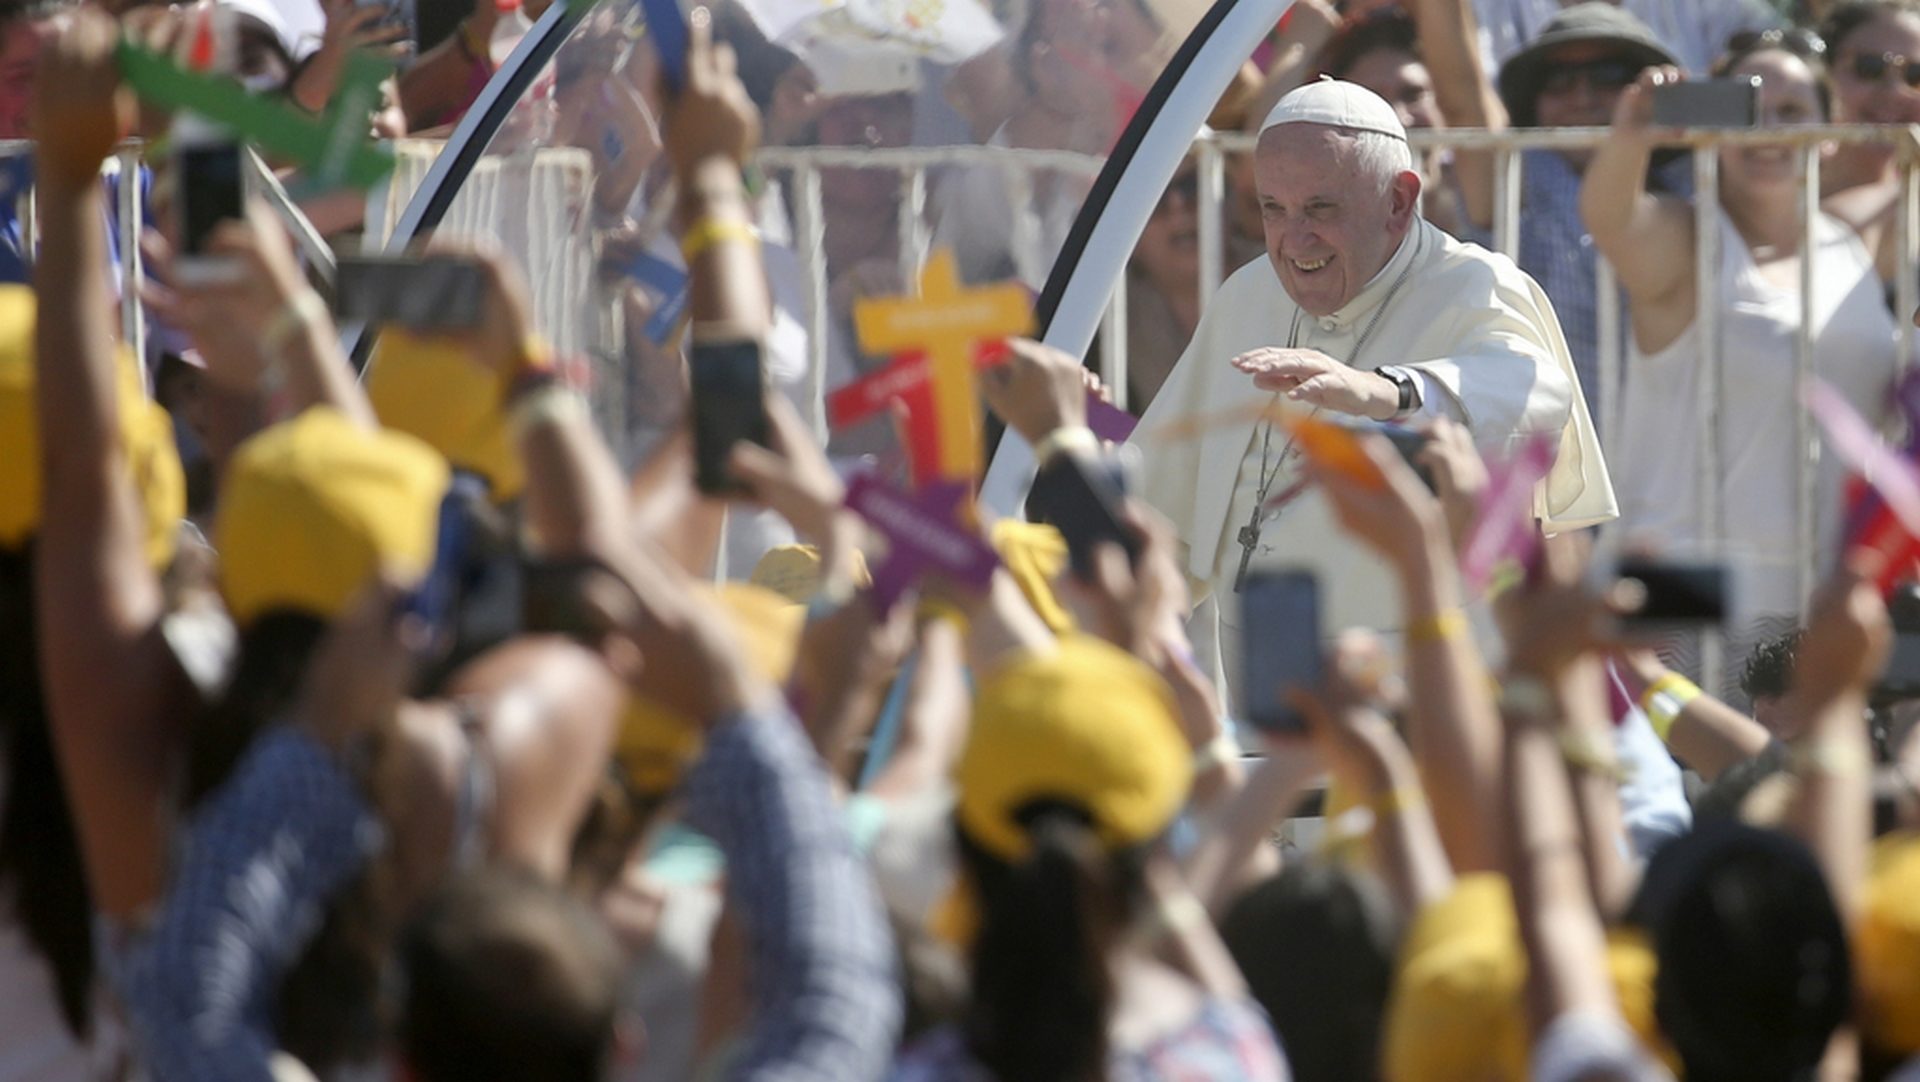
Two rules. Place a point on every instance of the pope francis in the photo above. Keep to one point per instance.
(1360, 308)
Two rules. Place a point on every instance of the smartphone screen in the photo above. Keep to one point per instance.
(1708, 103)
(430, 294)
(1083, 502)
(211, 192)
(1676, 594)
(1280, 645)
(729, 405)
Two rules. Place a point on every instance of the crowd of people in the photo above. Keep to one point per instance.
(398, 727)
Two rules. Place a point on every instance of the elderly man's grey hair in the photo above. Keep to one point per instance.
(1380, 157)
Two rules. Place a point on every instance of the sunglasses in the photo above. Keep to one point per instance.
(1602, 75)
(1800, 42)
(1872, 68)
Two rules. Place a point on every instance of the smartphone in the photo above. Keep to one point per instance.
(1708, 103)
(1082, 499)
(1410, 443)
(1280, 646)
(434, 293)
(729, 405)
(211, 191)
(1675, 594)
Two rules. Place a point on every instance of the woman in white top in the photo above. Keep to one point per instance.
(1650, 240)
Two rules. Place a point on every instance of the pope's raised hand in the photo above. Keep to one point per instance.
(1312, 378)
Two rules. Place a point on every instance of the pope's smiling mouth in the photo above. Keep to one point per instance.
(1310, 265)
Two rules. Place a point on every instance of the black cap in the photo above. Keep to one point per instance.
(1594, 21)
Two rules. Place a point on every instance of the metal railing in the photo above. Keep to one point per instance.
(130, 221)
(803, 165)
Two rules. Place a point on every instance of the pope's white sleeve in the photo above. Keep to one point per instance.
(1435, 399)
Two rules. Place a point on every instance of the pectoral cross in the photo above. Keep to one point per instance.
(1249, 538)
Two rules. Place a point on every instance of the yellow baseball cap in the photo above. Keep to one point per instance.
(1455, 1012)
(1035, 554)
(654, 744)
(432, 389)
(1084, 723)
(315, 507)
(1458, 1007)
(1887, 945)
(146, 437)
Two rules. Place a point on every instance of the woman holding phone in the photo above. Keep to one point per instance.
(1651, 242)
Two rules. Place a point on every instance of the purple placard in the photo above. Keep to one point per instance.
(1108, 421)
(922, 536)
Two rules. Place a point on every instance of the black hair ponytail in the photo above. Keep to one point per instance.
(41, 871)
(1042, 990)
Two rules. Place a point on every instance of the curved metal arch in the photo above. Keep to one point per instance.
(1103, 235)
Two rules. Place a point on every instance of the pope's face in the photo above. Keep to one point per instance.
(1329, 226)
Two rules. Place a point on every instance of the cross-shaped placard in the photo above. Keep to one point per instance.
(333, 146)
(948, 322)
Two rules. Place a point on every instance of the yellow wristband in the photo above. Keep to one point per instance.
(1396, 801)
(1834, 759)
(1593, 753)
(1664, 699)
(1443, 626)
(708, 232)
(933, 608)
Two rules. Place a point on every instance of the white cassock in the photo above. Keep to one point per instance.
(1480, 338)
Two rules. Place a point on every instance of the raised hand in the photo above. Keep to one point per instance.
(1400, 520)
(1312, 378)
(1037, 390)
(1459, 475)
(1849, 636)
(1633, 112)
(794, 477)
(80, 108)
(362, 667)
(712, 116)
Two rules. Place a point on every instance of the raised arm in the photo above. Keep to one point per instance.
(1306, 30)
(1706, 734)
(1452, 724)
(1649, 239)
(1569, 999)
(711, 127)
(264, 333)
(1845, 648)
(1449, 39)
(100, 602)
(1368, 757)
